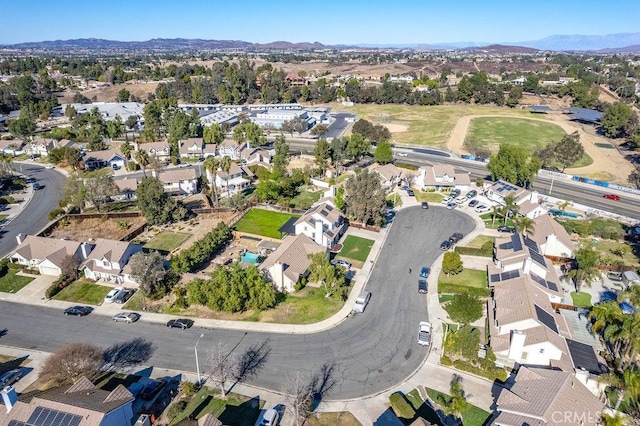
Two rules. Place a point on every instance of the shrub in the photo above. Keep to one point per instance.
(176, 409)
(406, 166)
(188, 389)
(401, 406)
(57, 286)
(12, 265)
(7, 199)
(56, 213)
(4, 267)
(492, 373)
(189, 259)
(449, 288)
(485, 251)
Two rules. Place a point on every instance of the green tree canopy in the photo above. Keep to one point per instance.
(615, 119)
(365, 197)
(513, 164)
(464, 308)
(452, 263)
(157, 206)
(569, 150)
(383, 153)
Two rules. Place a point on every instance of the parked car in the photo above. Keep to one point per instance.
(424, 333)
(452, 206)
(446, 200)
(152, 388)
(110, 297)
(126, 317)
(446, 245)
(505, 228)
(10, 377)
(455, 237)
(36, 186)
(422, 286)
(410, 193)
(124, 295)
(362, 301)
(49, 166)
(455, 193)
(614, 276)
(425, 205)
(473, 203)
(182, 323)
(402, 154)
(424, 272)
(482, 208)
(342, 263)
(268, 417)
(79, 311)
(472, 193)
(613, 197)
(461, 200)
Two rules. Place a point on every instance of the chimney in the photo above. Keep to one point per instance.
(85, 249)
(319, 232)
(9, 397)
(516, 346)
(20, 238)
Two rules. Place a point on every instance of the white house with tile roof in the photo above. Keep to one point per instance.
(552, 238)
(441, 176)
(388, 174)
(528, 202)
(323, 223)
(47, 255)
(108, 260)
(290, 261)
(161, 151)
(232, 149)
(234, 180)
(180, 181)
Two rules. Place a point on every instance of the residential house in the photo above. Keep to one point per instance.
(528, 202)
(107, 158)
(127, 189)
(231, 181)
(323, 223)
(389, 175)
(161, 151)
(441, 176)
(12, 146)
(552, 238)
(230, 148)
(180, 181)
(47, 255)
(290, 261)
(542, 396)
(40, 147)
(259, 156)
(108, 261)
(81, 404)
(196, 148)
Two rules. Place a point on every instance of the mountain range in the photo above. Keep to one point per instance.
(610, 43)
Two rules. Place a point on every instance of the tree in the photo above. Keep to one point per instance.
(319, 130)
(123, 95)
(569, 150)
(510, 208)
(634, 178)
(525, 224)
(222, 367)
(238, 201)
(339, 151)
(213, 134)
(452, 263)
(546, 154)
(225, 166)
(74, 193)
(69, 267)
(211, 164)
(513, 164)
(71, 362)
(299, 396)
(142, 158)
(131, 122)
(614, 119)
(24, 126)
(339, 199)
(383, 153)
(323, 272)
(495, 212)
(458, 403)
(157, 206)
(357, 146)
(464, 308)
(99, 190)
(280, 158)
(126, 148)
(365, 197)
(587, 259)
(148, 269)
(70, 111)
(322, 154)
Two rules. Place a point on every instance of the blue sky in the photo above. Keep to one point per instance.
(326, 21)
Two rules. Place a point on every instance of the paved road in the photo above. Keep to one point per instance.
(35, 216)
(370, 352)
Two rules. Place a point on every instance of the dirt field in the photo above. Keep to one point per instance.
(109, 94)
(87, 229)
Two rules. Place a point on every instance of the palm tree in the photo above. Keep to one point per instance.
(211, 165)
(563, 206)
(509, 205)
(604, 314)
(495, 211)
(142, 158)
(525, 224)
(225, 165)
(586, 272)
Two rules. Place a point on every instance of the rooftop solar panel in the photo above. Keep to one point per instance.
(538, 279)
(584, 356)
(538, 258)
(531, 244)
(509, 275)
(42, 416)
(516, 242)
(546, 318)
(552, 286)
(495, 278)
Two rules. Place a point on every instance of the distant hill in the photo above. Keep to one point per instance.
(583, 42)
(626, 49)
(502, 49)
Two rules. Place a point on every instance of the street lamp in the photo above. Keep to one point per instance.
(195, 349)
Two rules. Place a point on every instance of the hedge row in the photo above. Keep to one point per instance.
(201, 251)
(493, 373)
(401, 406)
(57, 286)
(448, 288)
(485, 251)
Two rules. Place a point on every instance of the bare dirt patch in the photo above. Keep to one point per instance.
(396, 127)
(87, 229)
(109, 94)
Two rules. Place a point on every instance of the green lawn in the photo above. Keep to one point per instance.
(83, 292)
(480, 240)
(394, 200)
(263, 222)
(12, 283)
(355, 248)
(3, 217)
(468, 277)
(342, 418)
(306, 306)
(305, 199)
(472, 416)
(490, 223)
(430, 197)
(236, 410)
(491, 132)
(166, 241)
(581, 300)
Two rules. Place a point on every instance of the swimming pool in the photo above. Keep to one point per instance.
(556, 212)
(250, 257)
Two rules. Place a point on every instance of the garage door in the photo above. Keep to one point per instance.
(48, 270)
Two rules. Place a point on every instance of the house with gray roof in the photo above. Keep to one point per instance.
(161, 151)
(47, 255)
(290, 261)
(127, 188)
(323, 223)
(81, 404)
(107, 158)
(528, 202)
(441, 176)
(552, 238)
(179, 181)
(108, 261)
(12, 146)
(388, 174)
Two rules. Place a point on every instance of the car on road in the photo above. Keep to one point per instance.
(36, 186)
(505, 228)
(126, 317)
(402, 154)
(473, 203)
(446, 245)
(152, 388)
(425, 205)
(451, 206)
(268, 417)
(10, 377)
(410, 193)
(455, 237)
(49, 166)
(424, 333)
(124, 295)
(422, 286)
(342, 263)
(79, 311)
(482, 208)
(424, 272)
(110, 297)
(613, 197)
(362, 301)
(182, 323)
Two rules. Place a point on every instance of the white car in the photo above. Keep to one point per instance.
(446, 200)
(342, 263)
(268, 417)
(482, 208)
(461, 200)
(424, 333)
(402, 154)
(127, 317)
(48, 166)
(111, 296)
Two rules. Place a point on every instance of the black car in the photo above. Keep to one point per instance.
(422, 286)
(446, 245)
(473, 203)
(505, 228)
(425, 205)
(410, 193)
(182, 323)
(124, 295)
(472, 193)
(79, 311)
(455, 193)
(152, 388)
(456, 237)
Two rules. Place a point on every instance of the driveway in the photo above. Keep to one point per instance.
(365, 354)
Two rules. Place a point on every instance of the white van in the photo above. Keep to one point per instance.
(362, 301)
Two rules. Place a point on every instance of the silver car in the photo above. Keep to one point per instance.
(10, 377)
(126, 317)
